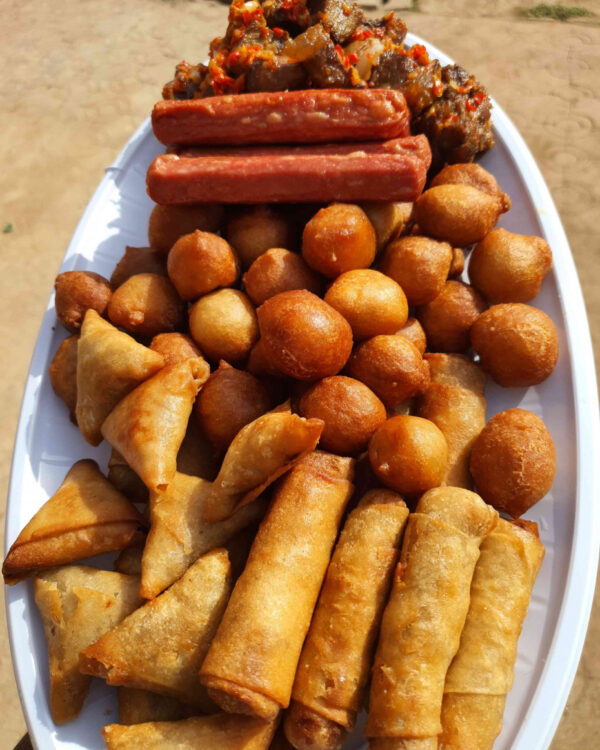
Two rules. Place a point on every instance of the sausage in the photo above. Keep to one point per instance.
(307, 116)
(393, 170)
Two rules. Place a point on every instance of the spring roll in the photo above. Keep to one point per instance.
(252, 661)
(481, 674)
(424, 617)
(217, 732)
(454, 401)
(337, 654)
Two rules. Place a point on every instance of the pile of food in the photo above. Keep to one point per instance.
(303, 489)
(283, 45)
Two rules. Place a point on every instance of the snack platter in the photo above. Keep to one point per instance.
(47, 444)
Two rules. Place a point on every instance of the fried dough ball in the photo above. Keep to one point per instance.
(513, 461)
(507, 267)
(146, 304)
(388, 219)
(475, 176)
(458, 214)
(279, 270)
(409, 454)
(370, 301)
(448, 318)
(254, 230)
(138, 260)
(350, 410)
(458, 263)
(517, 344)
(168, 223)
(420, 265)
(201, 262)
(175, 347)
(79, 291)
(302, 336)
(339, 238)
(63, 373)
(224, 325)
(413, 331)
(391, 366)
(229, 400)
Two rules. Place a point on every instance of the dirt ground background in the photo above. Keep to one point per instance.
(80, 75)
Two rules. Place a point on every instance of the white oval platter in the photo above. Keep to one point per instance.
(47, 444)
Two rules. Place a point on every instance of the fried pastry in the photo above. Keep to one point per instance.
(148, 426)
(246, 669)
(86, 516)
(110, 364)
(424, 618)
(481, 673)
(179, 533)
(160, 646)
(336, 658)
(218, 732)
(78, 604)
(260, 453)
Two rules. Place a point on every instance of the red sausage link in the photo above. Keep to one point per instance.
(393, 170)
(311, 116)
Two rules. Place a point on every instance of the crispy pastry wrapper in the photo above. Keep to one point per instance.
(246, 669)
(110, 364)
(139, 706)
(258, 455)
(424, 617)
(217, 732)
(161, 646)
(78, 604)
(148, 426)
(336, 658)
(179, 533)
(454, 401)
(481, 673)
(86, 516)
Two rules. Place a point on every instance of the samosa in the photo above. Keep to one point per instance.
(78, 604)
(218, 732)
(148, 426)
(86, 516)
(261, 452)
(161, 646)
(110, 364)
(179, 533)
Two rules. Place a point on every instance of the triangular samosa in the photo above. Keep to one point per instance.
(86, 516)
(218, 732)
(148, 426)
(162, 645)
(261, 452)
(179, 533)
(110, 364)
(78, 604)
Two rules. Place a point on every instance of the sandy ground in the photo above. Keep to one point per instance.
(80, 75)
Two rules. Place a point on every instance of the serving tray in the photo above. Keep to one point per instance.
(47, 444)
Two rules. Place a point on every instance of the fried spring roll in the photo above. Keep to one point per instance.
(335, 661)
(423, 620)
(252, 661)
(454, 401)
(481, 674)
(217, 732)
